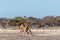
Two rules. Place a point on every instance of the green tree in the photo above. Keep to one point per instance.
(17, 21)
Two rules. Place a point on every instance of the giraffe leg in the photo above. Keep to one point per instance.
(30, 32)
(27, 31)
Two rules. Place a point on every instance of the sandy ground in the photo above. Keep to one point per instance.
(38, 35)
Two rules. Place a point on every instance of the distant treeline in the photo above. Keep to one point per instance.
(48, 21)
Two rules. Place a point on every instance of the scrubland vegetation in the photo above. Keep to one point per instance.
(48, 21)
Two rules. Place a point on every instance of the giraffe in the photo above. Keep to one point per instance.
(25, 27)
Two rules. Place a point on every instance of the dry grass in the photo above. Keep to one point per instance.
(48, 28)
(38, 35)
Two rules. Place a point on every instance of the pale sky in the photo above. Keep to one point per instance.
(35, 8)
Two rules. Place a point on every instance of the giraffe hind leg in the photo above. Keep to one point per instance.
(30, 32)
